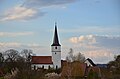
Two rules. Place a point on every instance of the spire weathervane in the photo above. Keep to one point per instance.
(55, 24)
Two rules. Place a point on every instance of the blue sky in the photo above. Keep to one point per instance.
(91, 27)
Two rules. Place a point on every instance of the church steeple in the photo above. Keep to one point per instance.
(56, 50)
(55, 40)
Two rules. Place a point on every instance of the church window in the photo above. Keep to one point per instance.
(55, 47)
(56, 67)
(43, 67)
(49, 67)
(34, 67)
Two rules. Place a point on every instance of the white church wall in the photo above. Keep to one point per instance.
(56, 58)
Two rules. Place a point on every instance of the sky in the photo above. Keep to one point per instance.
(91, 27)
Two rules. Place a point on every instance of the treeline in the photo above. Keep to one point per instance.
(17, 65)
(113, 69)
(12, 60)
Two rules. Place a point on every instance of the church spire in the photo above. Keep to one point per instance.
(55, 40)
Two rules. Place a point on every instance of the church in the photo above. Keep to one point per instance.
(45, 62)
(53, 61)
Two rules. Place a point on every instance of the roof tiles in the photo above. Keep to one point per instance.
(42, 60)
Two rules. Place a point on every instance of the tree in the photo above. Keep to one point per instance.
(91, 75)
(26, 54)
(117, 58)
(114, 66)
(11, 55)
(70, 57)
(1, 58)
(80, 57)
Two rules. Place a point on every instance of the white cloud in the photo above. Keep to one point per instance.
(74, 40)
(33, 45)
(100, 56)
(97, 40)
(14, 34)
(10, 44)
(89, 39)
(21, 13)
(17, 44)
(31, 9)
(100, 48)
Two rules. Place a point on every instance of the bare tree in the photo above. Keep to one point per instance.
(1, 58)
(80, 57)
(11, 55)
(26, 54)
(70, 57)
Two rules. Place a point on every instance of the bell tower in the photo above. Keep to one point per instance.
(56, 50)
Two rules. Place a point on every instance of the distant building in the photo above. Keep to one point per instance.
(89, 62)
(53, 61)
(102, 65)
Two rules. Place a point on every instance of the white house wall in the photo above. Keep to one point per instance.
(88, 63)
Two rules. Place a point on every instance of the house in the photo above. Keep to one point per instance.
(53, 61)
(89, 62)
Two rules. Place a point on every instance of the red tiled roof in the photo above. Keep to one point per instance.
(41, 60)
